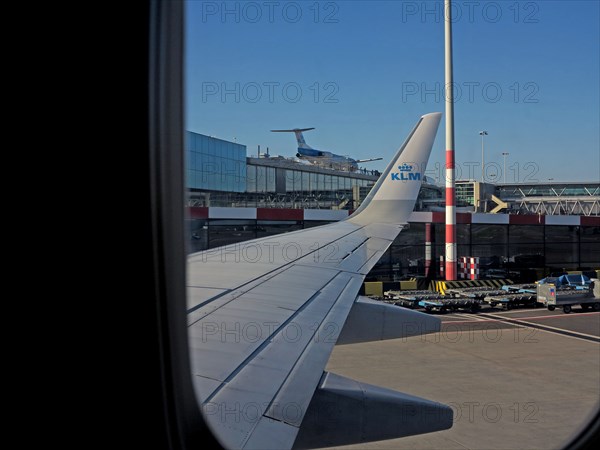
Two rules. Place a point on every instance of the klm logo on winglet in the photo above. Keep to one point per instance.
(405, 174)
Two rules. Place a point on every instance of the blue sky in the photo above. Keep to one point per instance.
(362, 73)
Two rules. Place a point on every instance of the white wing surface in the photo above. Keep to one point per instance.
(265, 314)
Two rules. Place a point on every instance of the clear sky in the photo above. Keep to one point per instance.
(362, 73)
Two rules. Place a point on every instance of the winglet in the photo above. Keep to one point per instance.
(393, 197)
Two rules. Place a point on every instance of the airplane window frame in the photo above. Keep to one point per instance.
(166, 171)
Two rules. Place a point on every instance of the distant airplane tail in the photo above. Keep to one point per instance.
(299, 136)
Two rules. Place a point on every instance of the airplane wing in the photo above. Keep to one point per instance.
(265, 314)
(367, 160)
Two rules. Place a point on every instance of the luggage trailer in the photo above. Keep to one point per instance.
(509, 301)
(508, 297)
(566, 297)
(433, 301)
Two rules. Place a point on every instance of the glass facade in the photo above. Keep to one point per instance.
(465, 194)
(589, 249)
(218, 173)
(260, 178)
(279, 187)
(308, 182)
(548, 190)
(214, 165)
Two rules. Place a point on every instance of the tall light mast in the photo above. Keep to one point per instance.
(450, 271)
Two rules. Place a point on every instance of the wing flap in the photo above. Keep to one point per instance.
(306, 373)
(237, 329)
(256, 382)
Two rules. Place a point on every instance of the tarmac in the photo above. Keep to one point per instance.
(524, 378)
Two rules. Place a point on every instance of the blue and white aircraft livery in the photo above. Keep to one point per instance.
(264, 316)
(321, 157)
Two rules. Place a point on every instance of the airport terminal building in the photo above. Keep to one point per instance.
(518, 231)
(219, 174)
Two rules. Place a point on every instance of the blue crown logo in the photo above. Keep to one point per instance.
(405, 168)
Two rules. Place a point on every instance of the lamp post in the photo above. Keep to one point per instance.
(482, 134)
(504, 155)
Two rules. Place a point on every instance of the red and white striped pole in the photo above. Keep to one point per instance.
(427, 249)
(450, 271)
